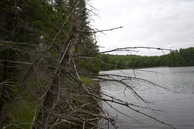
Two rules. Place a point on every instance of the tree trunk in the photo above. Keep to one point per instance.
(48, 104)
(52, 95)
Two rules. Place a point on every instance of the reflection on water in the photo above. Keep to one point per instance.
(176, 102)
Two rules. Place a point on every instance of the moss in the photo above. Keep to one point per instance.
(86, 80)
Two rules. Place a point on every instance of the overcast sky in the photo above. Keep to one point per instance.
(149, 23)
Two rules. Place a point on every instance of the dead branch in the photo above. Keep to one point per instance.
(130, 49)
(101, 31)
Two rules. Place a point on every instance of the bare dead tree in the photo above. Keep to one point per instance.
(53, 92)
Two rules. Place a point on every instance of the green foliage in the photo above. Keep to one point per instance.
(28, 24)
(88, 59)
(183, 57)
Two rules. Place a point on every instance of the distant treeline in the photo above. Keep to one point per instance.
(182, 57)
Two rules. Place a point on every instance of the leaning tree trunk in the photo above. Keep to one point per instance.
(52, 95)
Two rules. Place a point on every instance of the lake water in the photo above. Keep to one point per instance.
(175, 102)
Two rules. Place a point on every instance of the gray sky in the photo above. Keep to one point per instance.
(149, 23)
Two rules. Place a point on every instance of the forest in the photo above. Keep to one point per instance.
(45, 67)
(177, 58)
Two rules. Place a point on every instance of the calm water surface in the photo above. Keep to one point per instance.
(176, 103)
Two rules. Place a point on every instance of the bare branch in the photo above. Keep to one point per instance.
(130, 49)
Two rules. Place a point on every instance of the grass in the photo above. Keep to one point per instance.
(25, 109)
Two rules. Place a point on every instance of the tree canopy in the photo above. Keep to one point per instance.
(182, 57)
